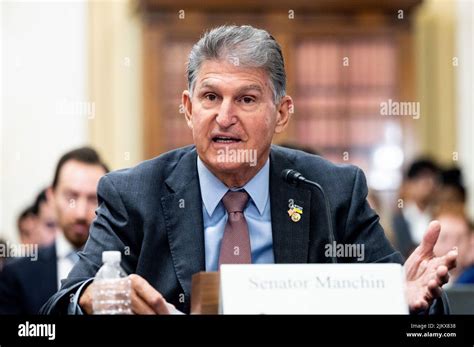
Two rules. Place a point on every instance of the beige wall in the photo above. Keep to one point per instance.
(44, 101)
(436, 88)
(465, 94)
(115, 85)
(444, 56)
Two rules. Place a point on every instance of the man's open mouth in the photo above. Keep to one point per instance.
(225, 139)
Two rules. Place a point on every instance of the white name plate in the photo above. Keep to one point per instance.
(312, 289)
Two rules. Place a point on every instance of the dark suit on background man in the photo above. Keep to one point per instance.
(140, 215)
(26, 283)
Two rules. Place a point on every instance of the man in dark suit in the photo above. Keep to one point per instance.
(223, 200)
(27, 283)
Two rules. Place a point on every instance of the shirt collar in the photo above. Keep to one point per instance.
(213, 190)
(411, 209)
(63, 246)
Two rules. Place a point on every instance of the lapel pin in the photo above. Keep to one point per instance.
(294, 211)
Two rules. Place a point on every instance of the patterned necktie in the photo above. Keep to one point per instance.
(235, 246)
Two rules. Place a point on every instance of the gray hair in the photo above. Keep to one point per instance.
(243, 46)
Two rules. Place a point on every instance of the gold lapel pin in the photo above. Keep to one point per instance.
(295, 211)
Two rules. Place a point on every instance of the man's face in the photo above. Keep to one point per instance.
(423, 188)
(232, 109)
(75, 199)
(28, 227)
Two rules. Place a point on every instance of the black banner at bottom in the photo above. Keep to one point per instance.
(283, 329)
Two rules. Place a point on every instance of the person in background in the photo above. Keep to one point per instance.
(418, 195)
(3, 257)
(27, 224)
(25, 285)
(455, 232)
(452, 190)
(46, 228)
(37, 223)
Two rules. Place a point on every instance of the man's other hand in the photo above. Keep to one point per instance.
(427, 273)
(145, 298)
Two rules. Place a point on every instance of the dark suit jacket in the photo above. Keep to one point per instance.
(25, 284)
(152, 213)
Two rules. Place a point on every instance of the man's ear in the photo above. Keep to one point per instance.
(284, 112)
(187, 107)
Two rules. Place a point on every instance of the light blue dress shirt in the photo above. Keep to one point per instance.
(257, 213)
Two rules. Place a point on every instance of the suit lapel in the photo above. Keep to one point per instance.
(182, 209)
(290, 239)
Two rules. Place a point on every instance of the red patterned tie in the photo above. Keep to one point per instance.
(235, 246)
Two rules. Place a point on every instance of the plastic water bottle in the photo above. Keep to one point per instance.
(111, 291)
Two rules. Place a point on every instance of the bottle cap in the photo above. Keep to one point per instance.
(111, 256)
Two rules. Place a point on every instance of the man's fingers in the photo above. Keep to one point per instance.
(442, 270)
(430, 238)
(435, 284)
(139, 306)
(420, 305)
(423, 266)
(451, 258)
(149, 295)
(434, 288)
(428, 272)
(442, 275)
(85, 300)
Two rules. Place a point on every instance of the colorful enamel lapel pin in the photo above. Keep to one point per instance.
(294, 211)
